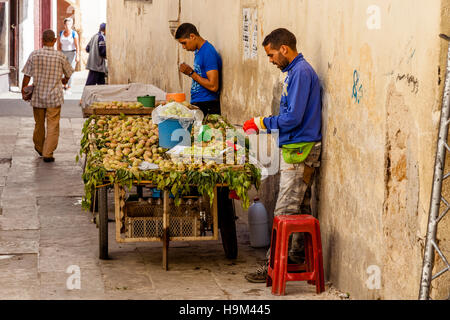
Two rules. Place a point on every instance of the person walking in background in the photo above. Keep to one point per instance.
(69, 44)
(47, 67)
(96, 63)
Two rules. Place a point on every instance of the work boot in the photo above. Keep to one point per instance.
(49, 160)
(260, 276)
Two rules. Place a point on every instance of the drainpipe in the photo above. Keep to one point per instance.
(173, 26)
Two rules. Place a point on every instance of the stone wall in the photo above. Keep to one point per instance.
(382, 66)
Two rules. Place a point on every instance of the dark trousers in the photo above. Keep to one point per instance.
(209, 107)
(95, 78)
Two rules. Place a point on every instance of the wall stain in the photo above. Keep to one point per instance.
(439, 76)
(412, 81)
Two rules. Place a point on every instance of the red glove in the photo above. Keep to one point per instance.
(254, 126)
(231, 145)
(233, 195)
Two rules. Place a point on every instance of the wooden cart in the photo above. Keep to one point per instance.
(223, 220)
(87, 112)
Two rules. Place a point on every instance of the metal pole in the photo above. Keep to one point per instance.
(428, 261)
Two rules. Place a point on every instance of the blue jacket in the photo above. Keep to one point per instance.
(300, 118)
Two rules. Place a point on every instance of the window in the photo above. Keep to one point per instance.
(4, 36)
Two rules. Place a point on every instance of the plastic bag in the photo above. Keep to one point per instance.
(177, 111)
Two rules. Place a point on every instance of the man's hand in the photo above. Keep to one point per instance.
(25, 82)
(186, 69)
(77, 58)
(254, 126)
(25, 97)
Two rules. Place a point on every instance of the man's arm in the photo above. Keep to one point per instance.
(211, 82)
(300, 88)
(28, 74)
(25, 82)
(77, 46)
(102, 46)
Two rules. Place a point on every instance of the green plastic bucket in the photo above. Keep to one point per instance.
(147, 101)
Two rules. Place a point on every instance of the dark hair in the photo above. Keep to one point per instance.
(185, 30)
(280, 37)
(48, 36)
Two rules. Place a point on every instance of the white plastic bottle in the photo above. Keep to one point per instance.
(258, 224)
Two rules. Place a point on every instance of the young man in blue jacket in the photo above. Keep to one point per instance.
(299, 126)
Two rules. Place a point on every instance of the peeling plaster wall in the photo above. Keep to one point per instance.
(382, 99)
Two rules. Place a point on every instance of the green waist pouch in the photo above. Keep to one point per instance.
(297, 152)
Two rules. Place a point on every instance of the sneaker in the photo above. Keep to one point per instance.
(260, 276)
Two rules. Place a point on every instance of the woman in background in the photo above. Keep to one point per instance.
(69, 44)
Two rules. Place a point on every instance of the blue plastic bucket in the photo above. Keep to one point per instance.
(172, 134)
(156, 193)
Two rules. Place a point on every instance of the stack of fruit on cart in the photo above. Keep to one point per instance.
(114, 105)
(117, 146)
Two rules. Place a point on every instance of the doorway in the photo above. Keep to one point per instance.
(14, 43)
(43, 20)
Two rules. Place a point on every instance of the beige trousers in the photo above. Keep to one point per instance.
(295, 179)
(46, 143)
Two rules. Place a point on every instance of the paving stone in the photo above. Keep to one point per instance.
(19, 242)
(19, 222)
(4, 169)
(19, 278)
(53, 286)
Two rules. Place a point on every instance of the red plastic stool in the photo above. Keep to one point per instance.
(279, 272)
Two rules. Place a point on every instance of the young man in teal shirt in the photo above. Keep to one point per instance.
(206, 73)
(299, 126)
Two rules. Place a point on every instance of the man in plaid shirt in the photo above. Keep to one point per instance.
(46, 66)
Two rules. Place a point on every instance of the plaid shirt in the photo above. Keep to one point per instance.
(46, 66)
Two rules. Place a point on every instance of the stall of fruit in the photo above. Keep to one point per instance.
(116, 147)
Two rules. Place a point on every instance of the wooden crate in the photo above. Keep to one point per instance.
(151, 222)
(87, 112)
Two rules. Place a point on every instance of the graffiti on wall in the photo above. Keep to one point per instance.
(412, 81)
(358, 89)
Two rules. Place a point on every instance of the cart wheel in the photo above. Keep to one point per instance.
(227, 225)
(103, 222)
